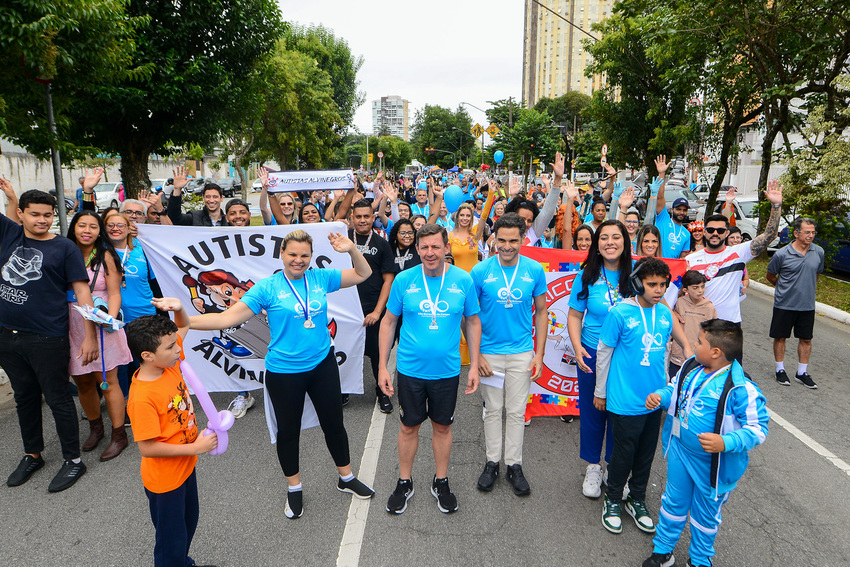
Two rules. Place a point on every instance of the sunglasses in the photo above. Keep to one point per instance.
(719, 231)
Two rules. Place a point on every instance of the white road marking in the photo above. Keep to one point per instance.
(355, 526)
(809, 442)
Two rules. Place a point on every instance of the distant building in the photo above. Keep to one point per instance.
(390, 113)
(554, 59)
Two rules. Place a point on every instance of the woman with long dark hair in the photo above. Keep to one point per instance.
(602, 283)
(88, 232)
(402, 241)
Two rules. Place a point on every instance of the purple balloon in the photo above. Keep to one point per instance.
(218, 421)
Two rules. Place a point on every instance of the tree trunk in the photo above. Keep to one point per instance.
(134, 169)
(775, 122)
(730, 132)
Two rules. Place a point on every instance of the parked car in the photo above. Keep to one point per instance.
(194, 185)
(840, 262)
(229, 185)
(746, 218)
(109, 194)
(157, 185)
(673, 192)
(256, 186)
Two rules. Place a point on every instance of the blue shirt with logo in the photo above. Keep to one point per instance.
(136, 295)
(294, 348)
(599, 301)
(630, 381)
(425, 353)
(675, 238)
(507, 331)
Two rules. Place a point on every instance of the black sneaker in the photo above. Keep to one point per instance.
(294, 507)
(806, 381)
(660, 560)
(691, 564)
(344, 400)
(488, 476)
(567, 418)
(384, 403)
(355, 487)
(517, 480)
(403, 492)
(782, 378)
(446, 499)
(24, 470)
(67, 476)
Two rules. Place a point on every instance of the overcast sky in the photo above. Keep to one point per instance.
(435, 52)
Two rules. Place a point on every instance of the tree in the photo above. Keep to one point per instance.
(72, 44)
(532, 137)
(397, 152)
(197, 52)
(566, 111)
(503, 112)
(447, 132)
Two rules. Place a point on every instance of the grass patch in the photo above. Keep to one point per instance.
(829, 291)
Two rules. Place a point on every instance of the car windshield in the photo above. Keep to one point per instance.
(689, 195)
(748, 208)
(104, 187)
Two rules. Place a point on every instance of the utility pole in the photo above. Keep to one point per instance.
(510, 111)
(57, 163)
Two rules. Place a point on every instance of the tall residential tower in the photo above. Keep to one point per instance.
(390, 113)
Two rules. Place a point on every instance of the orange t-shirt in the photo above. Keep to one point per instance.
(162, 410)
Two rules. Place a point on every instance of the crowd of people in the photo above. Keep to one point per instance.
(449, 283)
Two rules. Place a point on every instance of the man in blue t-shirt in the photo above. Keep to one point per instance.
(508, 287)
(630, 365)
(38, 268)
(675, 238)
(436, 300)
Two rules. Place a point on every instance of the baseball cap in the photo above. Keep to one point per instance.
(681, 202)
(235, 202)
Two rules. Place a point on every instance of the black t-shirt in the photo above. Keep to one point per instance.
(406, 259)
(380, 259)
(34, 280)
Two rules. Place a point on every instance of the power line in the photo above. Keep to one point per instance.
(566, 20)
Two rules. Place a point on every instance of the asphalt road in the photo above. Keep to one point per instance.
(788, 509)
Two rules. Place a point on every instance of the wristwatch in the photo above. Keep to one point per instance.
(776, 205)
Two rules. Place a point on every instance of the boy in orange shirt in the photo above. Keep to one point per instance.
(164, 426)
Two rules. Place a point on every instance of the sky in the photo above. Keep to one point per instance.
(441, 52)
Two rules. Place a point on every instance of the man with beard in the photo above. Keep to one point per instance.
(723, 266)
(675, 238)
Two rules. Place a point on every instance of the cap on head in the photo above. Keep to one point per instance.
(681, 202)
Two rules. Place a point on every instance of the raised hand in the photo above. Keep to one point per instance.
(661, 164)
(627, 198)
(655, 186)
(263, 176)
(91, 178)
(730, 195)
(167, 303)
(546, 181)
(6, 187)
(618, 190)
(515, 187)
(558, 166)
(773, 193)
(179, 176)
(341, 243)
(571, 190)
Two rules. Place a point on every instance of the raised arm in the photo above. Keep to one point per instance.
(265, 212)
(611, 173)
(485, 211)
(435, 208)
(90, 180)
(550, 205)
(12, 204)
(235, 315)
(661, 164)
(624, 202)
(361, 270)
(729, 207)
(773, 193)
(345, 204)
(571, 192)
(175, 201)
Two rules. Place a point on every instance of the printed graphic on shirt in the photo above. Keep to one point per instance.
(24, 266)
(181, 411)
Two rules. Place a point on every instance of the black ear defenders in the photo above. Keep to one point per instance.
(635, 283)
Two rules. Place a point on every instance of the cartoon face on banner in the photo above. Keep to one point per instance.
(559, 375)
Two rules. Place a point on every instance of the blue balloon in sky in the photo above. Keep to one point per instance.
(498, 156)
(453, 197)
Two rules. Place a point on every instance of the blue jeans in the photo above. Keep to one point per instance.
(593, 424)
(38, 365)
(175, 517)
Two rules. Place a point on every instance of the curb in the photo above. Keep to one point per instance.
(820, 308)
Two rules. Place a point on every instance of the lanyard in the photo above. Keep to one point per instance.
(308, 324)
(648, 339)
(402, 260)
(419, 209)
(509, 285)
(433, 304)
(614, 297)
(365, 246)
(689, 399)
(677, 234)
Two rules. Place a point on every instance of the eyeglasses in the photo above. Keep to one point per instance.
(405, 233)
(718, 230)
(632, 222)
(808, 232)
(112, 225)
(134, 213)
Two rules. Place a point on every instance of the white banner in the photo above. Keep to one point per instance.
(305, 180)
(209, 268)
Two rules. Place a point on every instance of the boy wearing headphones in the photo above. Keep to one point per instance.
(631, 365)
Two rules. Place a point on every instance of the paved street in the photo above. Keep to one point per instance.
(788, 510)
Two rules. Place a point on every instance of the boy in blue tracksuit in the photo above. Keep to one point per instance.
(714, 416)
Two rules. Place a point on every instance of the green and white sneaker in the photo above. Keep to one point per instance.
(637, 510)
(611, 516)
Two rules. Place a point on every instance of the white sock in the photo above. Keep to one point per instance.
(296, 488)
(780, 366)
(77, 461)
(801, 368)
(347, 477)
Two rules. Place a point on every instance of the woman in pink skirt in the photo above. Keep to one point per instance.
(88, 232)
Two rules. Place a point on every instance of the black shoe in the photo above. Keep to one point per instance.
(294, 505)
(806, 381)
(384, 402)
(782, 378)
(690, 564)
(567, 418)
(403, 492)
(356, 488)
(446, 499)
(67, 476)
(517, 480)
(344, 400)
(23, 472)
(660, 560)
(488, 476)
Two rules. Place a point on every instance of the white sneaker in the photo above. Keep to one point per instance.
(592, 486)
(240, 405)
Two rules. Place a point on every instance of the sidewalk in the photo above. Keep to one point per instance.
(820, 308)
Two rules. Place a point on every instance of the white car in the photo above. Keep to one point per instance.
(109, 194)
(745, 217)
(256, 186)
